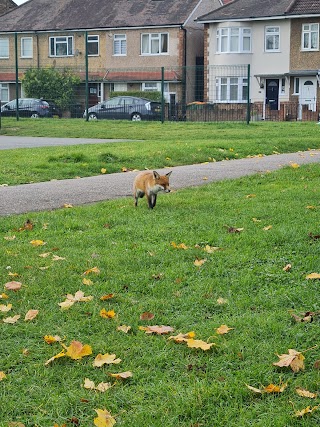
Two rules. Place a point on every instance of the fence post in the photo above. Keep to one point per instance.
(17, 74)
(248, 97)
(87, 74)
(162, 94)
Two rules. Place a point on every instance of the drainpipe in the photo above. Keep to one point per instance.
(17, 74)
(184, 72)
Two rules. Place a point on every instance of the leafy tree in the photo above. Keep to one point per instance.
(50, 83)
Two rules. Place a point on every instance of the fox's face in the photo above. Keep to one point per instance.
(161, 182)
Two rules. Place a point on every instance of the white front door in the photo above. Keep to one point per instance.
(308, 93)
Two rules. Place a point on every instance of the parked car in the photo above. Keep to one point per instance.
(125, 107)
(55, 111)
(28, 107)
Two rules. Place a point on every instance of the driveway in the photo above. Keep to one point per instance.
(54, 194)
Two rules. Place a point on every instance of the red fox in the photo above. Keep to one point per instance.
(150, 183)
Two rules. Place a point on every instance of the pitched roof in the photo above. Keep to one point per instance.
(255, 9)
(6, 5)
(46, 15)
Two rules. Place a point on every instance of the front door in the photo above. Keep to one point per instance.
(272, 93)
(308, 93)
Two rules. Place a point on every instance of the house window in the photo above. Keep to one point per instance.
(61, 46)
(283, 85)
(234, 40)
(4, 92)
(26, 47)
(296, 86)
(231, 89)
(154, 43)
(120, 44)
(272, 39)
(118, 87)
(93, 45)
(4, 48)
(310, 36)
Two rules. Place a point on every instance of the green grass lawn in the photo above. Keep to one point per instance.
(243, 285)
(153, 145)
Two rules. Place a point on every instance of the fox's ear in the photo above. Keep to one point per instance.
(168, 174)
(156, 175)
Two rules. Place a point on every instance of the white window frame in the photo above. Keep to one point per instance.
(272, 37)
(26, 47)
(307, 34)
(54, 43)
(4, 92)
(119, 45)
(296, 86)
(154, 43)
(227, 86)
(4, 48)
(92, 40)
(234, 39)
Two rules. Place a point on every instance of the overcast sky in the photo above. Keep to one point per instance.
(18, 2)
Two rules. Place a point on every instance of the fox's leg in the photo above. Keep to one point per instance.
(152, 198)
(138, 194)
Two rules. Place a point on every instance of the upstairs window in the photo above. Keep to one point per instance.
(4, 48)
(310, 37)
(120, 44)
(61, 46)
(26, 47)
(154, 43)
(93, 45)
(272, 39)
(234, 40)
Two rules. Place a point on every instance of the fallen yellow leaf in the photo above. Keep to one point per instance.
(31, 314)
(107, 314)
(5, 308)
(11, 320)
(13, 286)
(223, 329)
(57, 356)
(49, 339)
(37, 243)
(104, 418)
(294, 359)
(313, 276)
(122, 375)
(192, 343)
(305, 393)
(2, 375)
(77, 350)
(305, 411)
(102, 359)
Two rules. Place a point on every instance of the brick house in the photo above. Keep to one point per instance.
(280, 41)
(128, 41)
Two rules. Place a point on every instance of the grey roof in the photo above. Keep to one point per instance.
(44, 15)
(255, 9)
(6, 5)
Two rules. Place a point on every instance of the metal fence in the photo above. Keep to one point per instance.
(195, 93)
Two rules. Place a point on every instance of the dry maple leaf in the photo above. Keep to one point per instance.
(94, 270)
(122, 375)
(2, 375)
(223, 329)
(13, 286)
(11, 320)
(210, 249)
(124, 328)
(106, 297)
(87, 282)
(222, 301)
(31, 314)
(102, 387)
(71, 299)
(287, 267)
(192, 343)
(179, 246)
(49, 339)
(156, 329)
(307, 410)
(146, 316)
(294, 359)
(5, 308)
(77, 350)
(199, 262)
(182, 337)
(107, 314)
(271, 388)
(36, 243)
(102, 359)
(305, 393)
(4, 296)
(313, 276)
(104, 418)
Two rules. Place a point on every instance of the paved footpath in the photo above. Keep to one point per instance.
(54, 194)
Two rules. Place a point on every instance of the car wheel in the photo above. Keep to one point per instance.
(136, 117)
(34, 115)
(92, 116)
